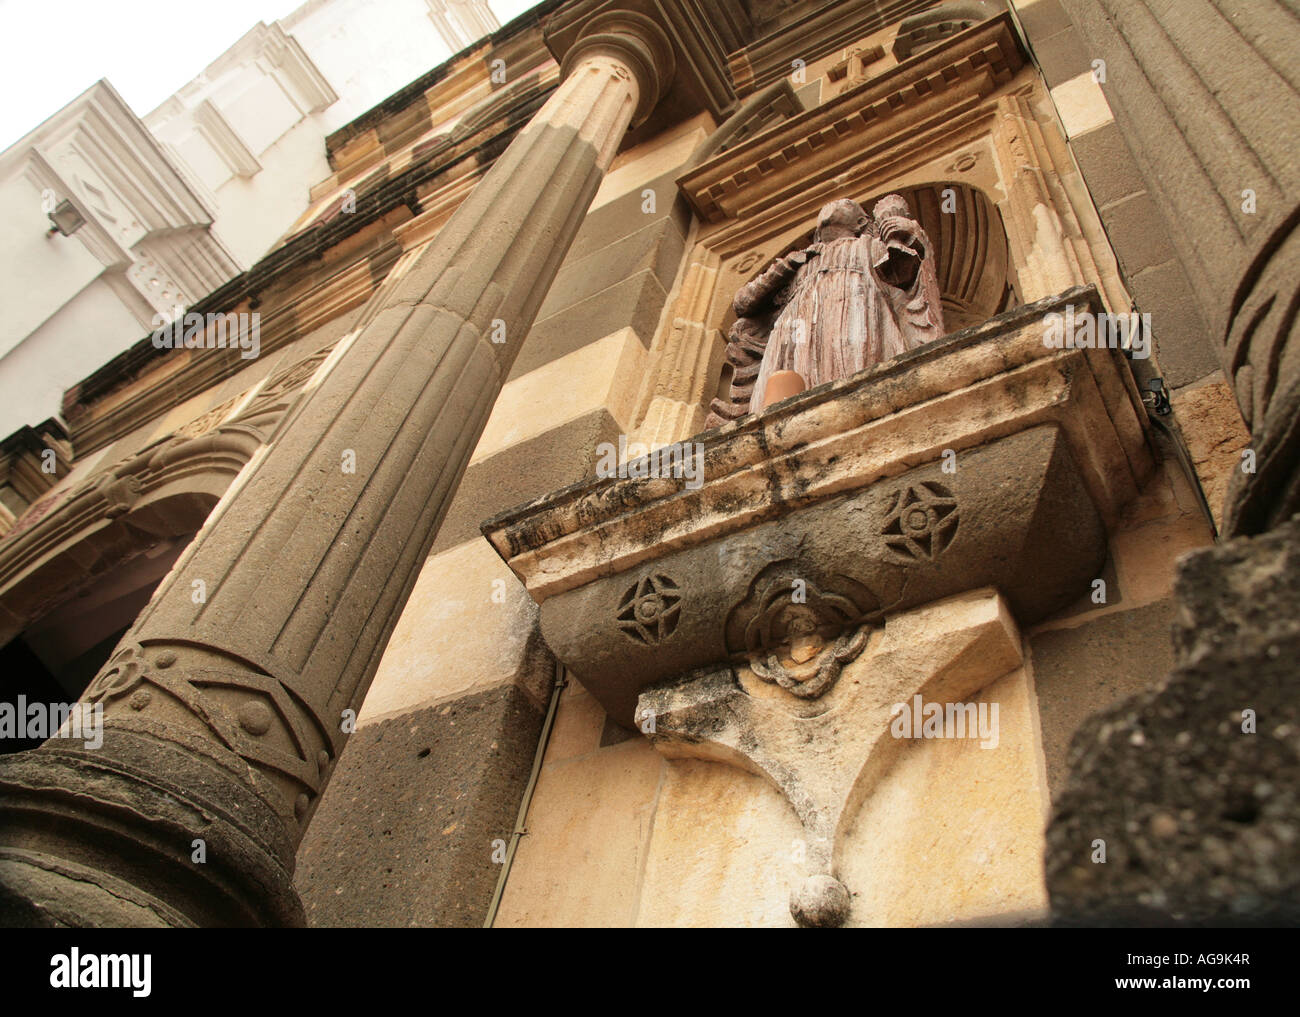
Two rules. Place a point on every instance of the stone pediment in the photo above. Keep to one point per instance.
(986, 459)
(918, 99)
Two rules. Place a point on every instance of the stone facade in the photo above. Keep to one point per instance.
(459, 614)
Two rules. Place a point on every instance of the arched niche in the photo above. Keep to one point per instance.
(77, 569)
(970, 244)
(58, 654)
(976, 276)
(71, 539)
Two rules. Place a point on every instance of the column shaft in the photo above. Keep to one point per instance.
(224, 705)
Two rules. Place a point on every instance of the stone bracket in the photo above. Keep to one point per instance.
(826, 755)
(987, 458)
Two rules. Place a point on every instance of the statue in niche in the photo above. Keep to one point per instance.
(865, 290)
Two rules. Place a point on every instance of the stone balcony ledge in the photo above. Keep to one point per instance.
(986, 459)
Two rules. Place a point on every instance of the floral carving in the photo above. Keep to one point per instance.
(124, 672)
(207, 421)
(649, 611)
(921, 522)
(813, 665)
(786, 593)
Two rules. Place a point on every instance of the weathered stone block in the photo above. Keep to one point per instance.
(1193, 785)
(656, 244)
(1182, 338)
(421, 797)
(565, 454)
(1062, 56)
(1078, 671)
(635, 302)
(1107, 165)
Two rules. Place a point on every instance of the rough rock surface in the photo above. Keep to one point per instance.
(1197, 799)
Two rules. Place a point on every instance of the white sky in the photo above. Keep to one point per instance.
(53, 50)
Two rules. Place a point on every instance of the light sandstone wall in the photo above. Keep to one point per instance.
(428, 788)
(953, 833)
(1095, 654)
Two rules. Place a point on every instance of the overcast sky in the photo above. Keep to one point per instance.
(53, 50)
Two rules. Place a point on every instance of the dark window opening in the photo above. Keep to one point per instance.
(56, 657)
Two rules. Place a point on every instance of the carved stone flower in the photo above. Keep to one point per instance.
(649, 611)
(921, 522)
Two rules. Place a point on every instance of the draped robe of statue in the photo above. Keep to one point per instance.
(902, 260)
(866, 290)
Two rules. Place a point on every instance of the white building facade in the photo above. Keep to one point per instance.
(161, 210)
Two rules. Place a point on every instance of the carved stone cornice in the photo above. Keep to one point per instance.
(756, 114)
(932, 26)
(919, 94)
(35, 459)
(824, 443)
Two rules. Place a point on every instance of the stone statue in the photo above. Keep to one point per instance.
(864, 291)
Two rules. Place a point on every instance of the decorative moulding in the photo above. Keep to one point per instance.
(826, 756)
(277, 53)
(756, 114)
(145, 223)
(823, 31)
(98, 138)
(216, 130)
(106, 245)
(921, 94)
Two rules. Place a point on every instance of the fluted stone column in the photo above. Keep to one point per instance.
(1200, 90)
(226, 704)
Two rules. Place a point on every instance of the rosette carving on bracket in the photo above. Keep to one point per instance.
(649, 611)
(797, 629)
(815, 665)
(921, 522)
